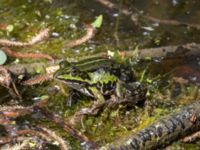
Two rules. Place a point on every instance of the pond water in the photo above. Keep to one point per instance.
(21, 20)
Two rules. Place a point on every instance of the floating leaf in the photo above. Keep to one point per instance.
(10, 28)
(3, 57)
(98, 22)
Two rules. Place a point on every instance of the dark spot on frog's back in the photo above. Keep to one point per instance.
(64, 64)
(107, 88)
(76, 72)
(127, 74)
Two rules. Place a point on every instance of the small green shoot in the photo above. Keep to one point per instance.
(135, 53)
(98, 22)
(43, 97)
(10, 28)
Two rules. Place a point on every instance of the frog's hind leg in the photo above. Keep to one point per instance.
(94, 110)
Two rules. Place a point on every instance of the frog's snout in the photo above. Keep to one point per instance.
(58, 74)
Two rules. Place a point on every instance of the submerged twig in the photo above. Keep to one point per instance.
(191, 138)
(175, 51)
(90, 31)
(8, 112)
(63, 143)
(66, 126)
(170, 22)
(16, 111)
(42, 132)
(12, 53)
(36, 39)
(38, 79)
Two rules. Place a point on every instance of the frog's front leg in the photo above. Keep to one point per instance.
(97, 105)
(119, 90)
(74, 97)
(97, 95)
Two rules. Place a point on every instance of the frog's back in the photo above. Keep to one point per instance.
(94, 63)
(123, 72)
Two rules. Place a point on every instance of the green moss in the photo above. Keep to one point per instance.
(24, 18)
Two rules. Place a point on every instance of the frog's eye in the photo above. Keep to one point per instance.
(84, 75)
(64, 64)
(75, 72)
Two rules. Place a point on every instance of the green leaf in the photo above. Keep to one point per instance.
(98, 22)
(3, 57)
(43, 97)
(10, 28)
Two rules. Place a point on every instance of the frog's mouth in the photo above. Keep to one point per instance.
(80, 86)
(58, 74)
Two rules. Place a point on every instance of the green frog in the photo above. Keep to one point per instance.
(101, 78)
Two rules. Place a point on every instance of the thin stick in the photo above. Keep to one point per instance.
(67, 127)
(90, 31)
(38, 79)
(191, 138)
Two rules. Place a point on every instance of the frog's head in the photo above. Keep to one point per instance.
(64, 69)
(133, 91)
